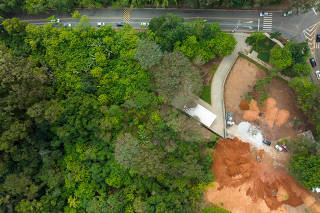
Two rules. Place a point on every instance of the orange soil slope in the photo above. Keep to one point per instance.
(235, 167)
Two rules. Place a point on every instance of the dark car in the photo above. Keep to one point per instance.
(313, 62)
(266, 142)
(120, 24)
(318, 38)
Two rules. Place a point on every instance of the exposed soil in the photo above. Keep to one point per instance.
(275, 118)
(240, 81)
(245, 185)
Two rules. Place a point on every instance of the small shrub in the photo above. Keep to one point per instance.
(76, 15)
(275, 34)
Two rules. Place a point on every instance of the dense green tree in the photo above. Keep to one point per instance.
(306, 169)
(196, 39)
(85, 128)
(281, 58)
(303, 5)
(302, 69)
(300, 51)
(148, 53)
(175, 77)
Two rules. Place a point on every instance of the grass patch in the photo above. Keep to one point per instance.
(263, 48)
(206, 94)
(264, 56)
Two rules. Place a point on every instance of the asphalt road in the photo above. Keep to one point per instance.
(230, 20)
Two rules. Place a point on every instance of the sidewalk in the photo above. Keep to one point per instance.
(218, 81)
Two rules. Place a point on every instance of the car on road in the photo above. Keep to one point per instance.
(120, 24)
(279, 148)
(55, 20)
(266, 142)
(264, 14)
(287, 13)
(67, 25)
(313, 62)
(99, 24)
(318, 38)
(318, 74)
(144, 24)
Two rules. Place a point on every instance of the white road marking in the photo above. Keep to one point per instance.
(314, 11)
(267, 22)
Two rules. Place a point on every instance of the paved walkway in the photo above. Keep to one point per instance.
(218, 81)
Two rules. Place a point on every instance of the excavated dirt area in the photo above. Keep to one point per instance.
(243, 185)
(276, 117)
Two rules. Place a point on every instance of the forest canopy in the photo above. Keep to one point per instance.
(88, 122)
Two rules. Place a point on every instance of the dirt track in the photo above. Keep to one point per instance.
(244, 185)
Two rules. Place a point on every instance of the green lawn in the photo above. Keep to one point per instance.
(206, 94)
(263, 49)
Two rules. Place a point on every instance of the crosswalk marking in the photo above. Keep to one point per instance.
(267, 22)
(126, 16)
(308, 32)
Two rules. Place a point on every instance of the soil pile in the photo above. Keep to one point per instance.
(270, 114)
(235, 167)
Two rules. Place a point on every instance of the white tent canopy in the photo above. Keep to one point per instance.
(205, 116)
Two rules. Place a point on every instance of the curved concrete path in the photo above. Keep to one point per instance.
(218, 81)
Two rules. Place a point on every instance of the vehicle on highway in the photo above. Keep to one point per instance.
(264, 14)
(55, 21)
(279, 148)
(67, 25)
(313, 62)
(318, 74)
(99, 24)
(318, 38)
(120, 24)
(266, 142)
(144, 24)
(287, 13)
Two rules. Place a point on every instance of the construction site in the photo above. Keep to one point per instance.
(244, 184)
(252, 174)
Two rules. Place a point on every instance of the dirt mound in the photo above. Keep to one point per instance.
(270, 114)
(244, 105)
(235, 166)
(250, 115)
(283, 117)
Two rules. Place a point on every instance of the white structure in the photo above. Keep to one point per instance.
(316, 190)
(205, 116)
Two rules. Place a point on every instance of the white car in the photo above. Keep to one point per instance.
(264, 14)
(145, 24)
(318, 74)
(279, 148)
(287, 13)
(55, 21)
(99, 24)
